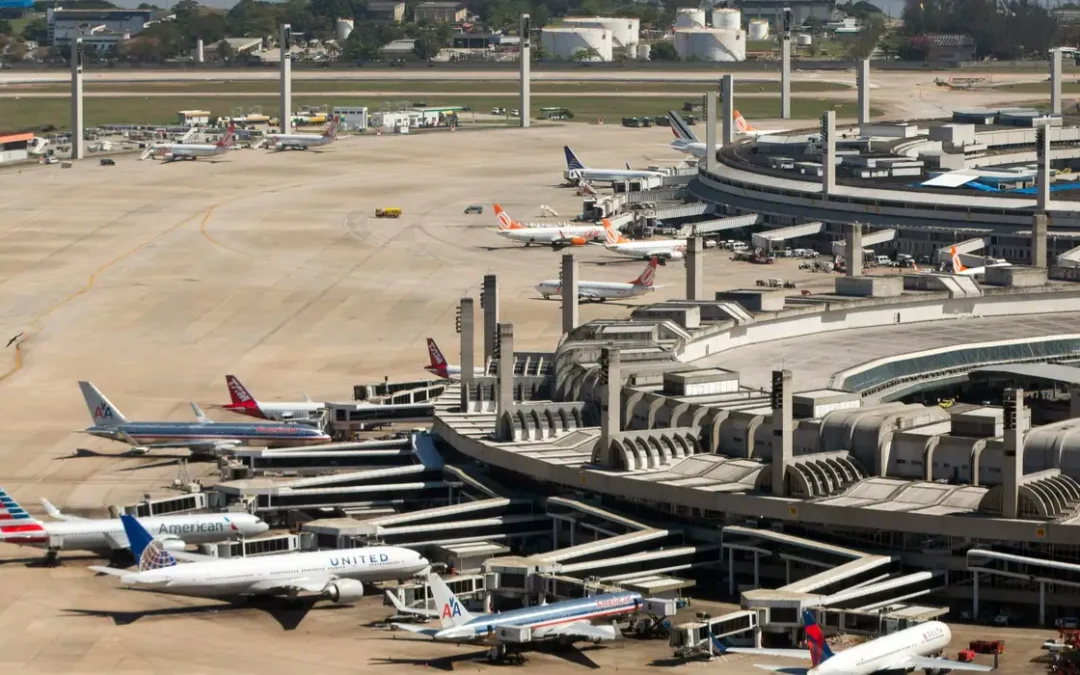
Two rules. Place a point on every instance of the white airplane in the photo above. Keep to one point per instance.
(338, 575)
(577, 172)
(305, 141)
(909, 649)
(106, 535)
(663, 249)
(556, 237)
(440, 367)
(686, 141)
(246, 404)
(176, 151)
(600, 291)
(959, 269)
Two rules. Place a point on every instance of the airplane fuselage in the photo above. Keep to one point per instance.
(104, 534)
(925, 639)
(601, 607)
(551, 235)
(595, 290)
(610, 175)
(299, 141)
(295, 410)
(268, 435)
(666, 249)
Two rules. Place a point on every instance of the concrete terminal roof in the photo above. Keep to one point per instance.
(1051, 372)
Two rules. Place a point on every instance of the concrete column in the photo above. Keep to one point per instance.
(284, 42)
(862, 75)
(782, 423)
(199, 51)
(975, 595)
(1042, 584)
(1038, 240)
(610, 412)
(1074, 403)
(727, 93)
(787, 571)
(506, 368)
(757, 637)
(1042, 177)
(695, 268)
(525, 28)
(731, 571)
(1013, 463)
(1055, 81)
(489, 300)
(828, 152)
(757, 570)
(785, 66)
(710, 130)
(569, 291)
(467, 323)
(77, 149)
(853, 250)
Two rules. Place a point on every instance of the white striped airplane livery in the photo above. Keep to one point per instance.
(568, 620)
(202, 436)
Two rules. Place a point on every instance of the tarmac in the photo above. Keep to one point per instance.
(154, 281)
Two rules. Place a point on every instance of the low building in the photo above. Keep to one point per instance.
(474, 40)
(356, 117)
(946, 47)
(801, 10)
(193, 118)
(386, 11)
(398, 49)
(13, 146)
(446, 12)
(95, 25)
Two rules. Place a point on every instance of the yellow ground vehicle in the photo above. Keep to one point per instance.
(389, 212)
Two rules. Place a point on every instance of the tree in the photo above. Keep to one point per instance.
(1000, 29)
(587, 54)
(663, 51)
(864, 43)
(36, 30)
(5, 27)
(225, 51)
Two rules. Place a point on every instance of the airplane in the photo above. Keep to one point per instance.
(440, 367)
(577, 172)
(600, 291)
(959, 269)
(902, 651)
(305, 141)
(686, 141)
(505, 221)
(663, 249)
(565, 621)
(203, 436)
(179, 151)
(106, 535)
(337, 574)
(556, 237)
(246, 404)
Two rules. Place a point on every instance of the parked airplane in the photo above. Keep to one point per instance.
(505, 221)
(958, 268)
(203, 436)
(304, 141)
(600, 291)
(909, 649)
(663, 249)
(578, 172)
(178, 151)
(337, 574)
(246, 404)
(106, 535)
(686, 141)
(567, 621)
(556, 237)
(440, 367)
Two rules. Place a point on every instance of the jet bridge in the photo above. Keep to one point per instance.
(869, 239)
(766, 240)
(966, 249)
(719, 225)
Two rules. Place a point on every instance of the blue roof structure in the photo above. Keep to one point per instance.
(16, 4)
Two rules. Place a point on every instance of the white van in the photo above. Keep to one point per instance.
(884, 260)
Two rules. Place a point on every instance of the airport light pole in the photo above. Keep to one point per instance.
(785, 66)
(525, 33)
(285, 42)
(77, 147)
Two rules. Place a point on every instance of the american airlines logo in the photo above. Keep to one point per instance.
(103, 412)
(193, 528)
(281, 429)
(451, 609)
(615, 602)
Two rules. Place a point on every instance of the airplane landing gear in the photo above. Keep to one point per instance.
(52, 558)
(500, 655)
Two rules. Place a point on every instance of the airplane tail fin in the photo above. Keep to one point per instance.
(648, 275)
(957, 266)
(613, 235)
(680, 128)
(438, 361)
(229, 138)
(200, 416)
(741, 124)
(150, 552)
(450, 609)
(241, 397)
(819, 648)
(102, 411)
(505, 221)
(572, 162)
(11, 513)
(332, 130)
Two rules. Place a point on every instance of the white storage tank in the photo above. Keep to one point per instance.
(804, 40)
(624, 31)
(644, 51)
(342, 30)
(564, 43)
(759, 30)
(710, 44)
(690, 17)
(723, 17)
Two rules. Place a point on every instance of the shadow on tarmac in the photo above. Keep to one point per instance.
(288, 613)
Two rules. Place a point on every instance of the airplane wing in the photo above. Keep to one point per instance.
(582, 630)
(307, 584)
(928, 663)
(783, 653)
(192, 557)
(588, 296)
(55, 513)
(113, 571)
(786, 670)
(429, 632)
(403, 609)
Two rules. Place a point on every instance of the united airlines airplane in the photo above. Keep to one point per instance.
(577, 172)
(202, 436)
(107, 536)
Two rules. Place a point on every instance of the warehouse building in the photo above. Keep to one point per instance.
(13, 147)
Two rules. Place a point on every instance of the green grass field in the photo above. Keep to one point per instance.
(464, 86)
(38, 113)
(1041, 87)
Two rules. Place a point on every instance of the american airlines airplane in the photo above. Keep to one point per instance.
(556, 237)
(600, 291)
(909, 649)
(578, 172)
(338, 575)
(246, 404)
(305, 141)
(440, 367)
(663, 249)
(178, 151)
(568, 621)
(202, 436)
(959, 269)
(106, 535)
(686, 141)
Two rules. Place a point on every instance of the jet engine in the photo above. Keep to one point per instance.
(345, 590)
(171, 542)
